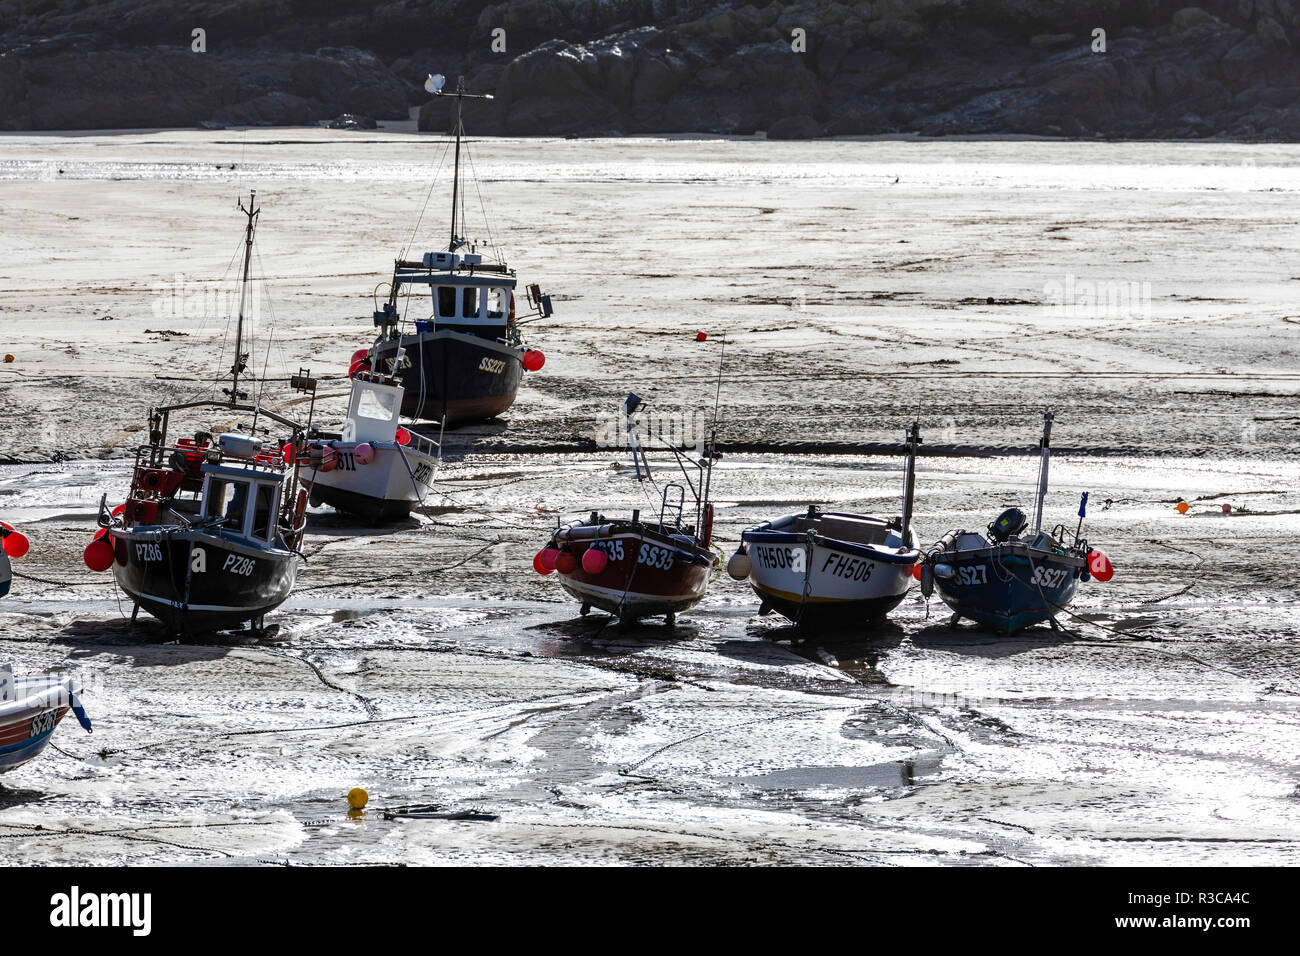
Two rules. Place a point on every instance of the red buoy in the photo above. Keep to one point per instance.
(403, 437)
(544, 560)
(1099, 566)
(360, 355)
(594, 560)
(359, 366)
(99, 554)
(566, 562)
(701, 336)
(15, 543)
(533, 360)
(916, 570)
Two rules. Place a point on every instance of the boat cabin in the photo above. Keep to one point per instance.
(464, 294)
(244, 498)
(373, 410)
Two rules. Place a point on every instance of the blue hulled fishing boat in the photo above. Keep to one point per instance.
(1014, 575)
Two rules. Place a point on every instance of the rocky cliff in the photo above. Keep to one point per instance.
(1111, 68)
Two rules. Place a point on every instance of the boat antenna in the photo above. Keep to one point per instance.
(1045, 455)
(909, 478)
(434, 85)
(710, 449)
(241, 357)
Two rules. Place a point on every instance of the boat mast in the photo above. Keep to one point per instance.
(434, 85)
(909, 479)
(241, 358)
(1045, 456)
(455, 178)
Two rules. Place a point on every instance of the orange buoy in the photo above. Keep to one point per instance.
(1182, 507)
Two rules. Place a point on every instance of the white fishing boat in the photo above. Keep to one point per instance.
(30, 709)
(832, 568)
(374, 468)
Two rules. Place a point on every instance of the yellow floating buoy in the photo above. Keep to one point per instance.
(357, 798)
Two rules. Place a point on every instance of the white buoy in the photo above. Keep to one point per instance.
(739, 565)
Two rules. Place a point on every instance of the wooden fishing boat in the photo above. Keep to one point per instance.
(208, 537)
(30, 710)
(633, 568)
(1014, 575)
(828, 568)
(462, 356)
(374, 468)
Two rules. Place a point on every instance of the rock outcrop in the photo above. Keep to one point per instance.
(1081, 68)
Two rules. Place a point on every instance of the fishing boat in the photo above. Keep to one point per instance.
(30, 710)
(1015, 574)
(634, 568)
(831, 568)
(462, 356)
(208, 537)
(374, 468)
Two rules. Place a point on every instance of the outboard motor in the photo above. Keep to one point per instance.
(1011, 522)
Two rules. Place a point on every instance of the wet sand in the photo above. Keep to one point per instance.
(1159, 727)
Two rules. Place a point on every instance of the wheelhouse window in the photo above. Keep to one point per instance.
(469, 302)
(496, 303)
(264, 513)
(214, 498)
(376, 405)
(446, 301)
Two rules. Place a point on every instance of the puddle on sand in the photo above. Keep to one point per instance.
(880, 776)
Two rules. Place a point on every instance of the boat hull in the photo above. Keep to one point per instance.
(386, 489)
(645, 574)
(455, 377)
(827, 581)
(1007, 588)
(31, 709)
(24, 736)
(195, 582)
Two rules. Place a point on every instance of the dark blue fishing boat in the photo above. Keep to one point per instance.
(1014, 575)
(465, 358)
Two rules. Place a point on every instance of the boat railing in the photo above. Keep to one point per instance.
(426, 446)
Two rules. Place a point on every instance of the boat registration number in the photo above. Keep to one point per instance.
(1049, 577)
(43, 723)
(237, 564)
(345, 460)
(794, 559)
(971, 574)
(612, 548)
(495, 366)
(148, 551)
(655, 557)
(423, 472)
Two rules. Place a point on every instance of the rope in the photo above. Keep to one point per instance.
(62, 584)
(405, 574)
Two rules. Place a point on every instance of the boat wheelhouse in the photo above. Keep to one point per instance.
(374, 468)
